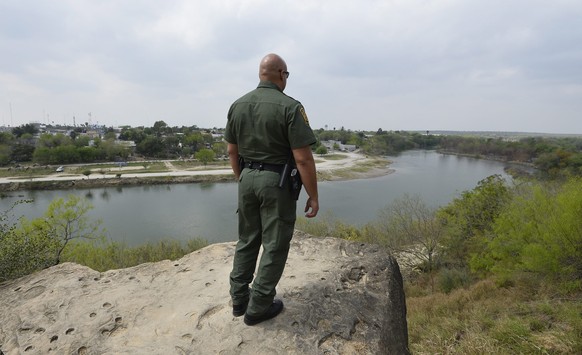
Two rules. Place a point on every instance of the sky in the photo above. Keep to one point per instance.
(462, 65)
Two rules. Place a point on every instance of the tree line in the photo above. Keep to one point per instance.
(552, 156)
(25, 144)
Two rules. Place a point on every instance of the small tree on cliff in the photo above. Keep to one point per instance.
(32, 245)
(412, 229)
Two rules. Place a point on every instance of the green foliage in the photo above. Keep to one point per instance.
(71, 152)
(469, 219)
(31, 245)
(541, 232)
(5, 154)
(451, 279)
(484, 318)
(321, 150)
(530, 236)
(14, 246)
(104, 255)
(132, 134)
(219, 148)
(205, 156)
(24, 129)
(553, 157)
(22, 152)
(151, 146)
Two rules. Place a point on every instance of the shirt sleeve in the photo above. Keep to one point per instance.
(300, 133)
(229, 135)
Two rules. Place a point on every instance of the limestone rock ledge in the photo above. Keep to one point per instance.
(340, 298)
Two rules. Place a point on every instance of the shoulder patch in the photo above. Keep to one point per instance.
(302, 110)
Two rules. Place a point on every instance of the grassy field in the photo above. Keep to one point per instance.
(196, 165)
(485, 318)
(27, 171)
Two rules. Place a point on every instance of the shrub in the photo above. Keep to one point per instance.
(31, 245)
(102, 255)
(541, 232)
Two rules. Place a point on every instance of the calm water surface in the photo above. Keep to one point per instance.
(140, 214)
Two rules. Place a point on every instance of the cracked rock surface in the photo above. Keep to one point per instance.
(340, 298)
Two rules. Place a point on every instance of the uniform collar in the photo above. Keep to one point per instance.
(268, 84)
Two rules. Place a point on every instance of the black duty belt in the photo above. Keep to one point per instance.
(277, 168)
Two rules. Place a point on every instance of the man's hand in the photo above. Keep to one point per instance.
(312, 204)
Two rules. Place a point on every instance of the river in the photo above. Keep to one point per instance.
(140, 214)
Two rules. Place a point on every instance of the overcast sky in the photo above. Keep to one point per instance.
(492, 65)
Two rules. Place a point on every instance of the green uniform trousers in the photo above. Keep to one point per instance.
(266, 216)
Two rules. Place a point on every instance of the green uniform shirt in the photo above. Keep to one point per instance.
(266, 124)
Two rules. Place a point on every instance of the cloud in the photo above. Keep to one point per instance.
(395, 64)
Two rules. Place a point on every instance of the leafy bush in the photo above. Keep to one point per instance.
(451, 279)
(32, 245)
(104, 255)
(469, 219)
(541, 232)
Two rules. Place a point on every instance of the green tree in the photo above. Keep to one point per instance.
(5, 153)
(159, 128)
(133, 134)
(42, 155)
(194, 141)
(52, 141)
(469, 219)
(113, 151)
(205, 156)
(219, 148)
(27, 128)
(64, 221)
(31, 245)
(541, 232)
(110, 136)
(321, 150)
(151, 146)
(82, 141)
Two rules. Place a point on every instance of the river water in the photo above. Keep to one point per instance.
(140, 214)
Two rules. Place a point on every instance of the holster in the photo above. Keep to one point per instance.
(296, 183)
(290, 177)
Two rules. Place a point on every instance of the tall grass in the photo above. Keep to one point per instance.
(103, 255)
(488, 319)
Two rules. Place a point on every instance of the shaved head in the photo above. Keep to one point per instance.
(273, 68)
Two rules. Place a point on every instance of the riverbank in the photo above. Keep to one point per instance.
(333, 167)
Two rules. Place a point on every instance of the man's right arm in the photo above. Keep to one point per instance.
(306, 166)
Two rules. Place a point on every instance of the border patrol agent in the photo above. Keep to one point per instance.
(267, 129)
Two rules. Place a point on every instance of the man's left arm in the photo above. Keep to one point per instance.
(232, 150)
(306, 166)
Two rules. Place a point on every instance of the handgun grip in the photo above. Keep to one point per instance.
(284, 175)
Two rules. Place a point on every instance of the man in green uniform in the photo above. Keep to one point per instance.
(267, 129)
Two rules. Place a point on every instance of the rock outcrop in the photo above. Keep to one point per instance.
(340, 298)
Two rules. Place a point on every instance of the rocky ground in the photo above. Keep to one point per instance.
(340, 298)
